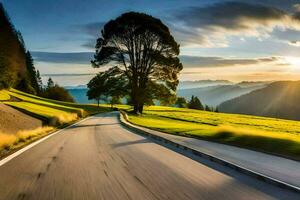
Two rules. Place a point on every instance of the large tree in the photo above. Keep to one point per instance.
(143, 50)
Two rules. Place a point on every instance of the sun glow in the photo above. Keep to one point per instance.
(293, 61)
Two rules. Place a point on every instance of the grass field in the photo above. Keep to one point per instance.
(52, 111)
(271, 135)
(4, 96)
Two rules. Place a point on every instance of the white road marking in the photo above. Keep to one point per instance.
(19, 152)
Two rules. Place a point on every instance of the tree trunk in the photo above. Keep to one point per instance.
(136, 108)
(141, 108)
(135, 101)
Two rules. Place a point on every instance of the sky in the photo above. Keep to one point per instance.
(220, 40)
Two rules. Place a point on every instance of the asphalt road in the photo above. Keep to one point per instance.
(99, 159)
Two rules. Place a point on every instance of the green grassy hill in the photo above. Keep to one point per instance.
(50, 111)
(270, 135)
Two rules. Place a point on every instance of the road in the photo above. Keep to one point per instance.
(99, 159)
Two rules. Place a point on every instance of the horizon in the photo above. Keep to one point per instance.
(236, 45)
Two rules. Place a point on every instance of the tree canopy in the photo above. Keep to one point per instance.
(56, 92)
(145, 54)
(181, 102)
(109, 84)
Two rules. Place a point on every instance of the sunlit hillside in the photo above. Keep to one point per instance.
(279, 99)
(50, 111)
(265, 134)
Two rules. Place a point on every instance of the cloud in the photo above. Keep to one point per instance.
(294, 43)
(91, 30)
(290, 37)
(72, 58)
(188, 61)
(67, 74)
(209, 62)
(296, 7)
(215, 22)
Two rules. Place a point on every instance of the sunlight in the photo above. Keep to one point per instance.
(294, 61)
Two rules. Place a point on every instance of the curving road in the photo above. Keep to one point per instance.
(99, 159)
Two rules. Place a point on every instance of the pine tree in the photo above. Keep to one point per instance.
(207, 108)
(50, 83)
(31, 73)
(217, 109)
(195, 103)
(39, 81)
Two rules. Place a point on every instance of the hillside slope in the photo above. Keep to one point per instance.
(202, 83)
(214, 95)
(49, 111)
(279, 99)
(12, 120)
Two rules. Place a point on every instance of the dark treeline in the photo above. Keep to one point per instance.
(16, 64)
(193, 103)
(54, 91)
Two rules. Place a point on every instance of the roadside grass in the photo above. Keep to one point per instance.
(10, 142)
(4, 96)
(49, 115)
(81, 109)
(275, 136)
(52, 112)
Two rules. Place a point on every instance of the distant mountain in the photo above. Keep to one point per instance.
(202, 83)
(75, 87)
(214, 95)
(245, 84)
(279, 99)
(79, 95)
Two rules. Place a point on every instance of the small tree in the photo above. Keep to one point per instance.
(115, 100)
(50, 83)
(217, 109)
(195, 103)
(97, 89)
(107, 84)
(39, 81)
(207, 108)
(57, 93)
(181, 102)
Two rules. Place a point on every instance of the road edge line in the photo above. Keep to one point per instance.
(27, 147)
(147, 132)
